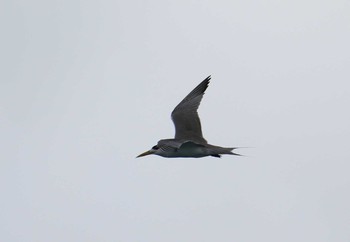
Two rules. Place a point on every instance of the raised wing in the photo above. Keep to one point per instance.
(185, 115)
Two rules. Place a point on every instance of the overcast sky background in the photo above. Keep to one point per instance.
(88, 85)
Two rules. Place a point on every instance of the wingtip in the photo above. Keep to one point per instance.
(206, 81)
(208, 78)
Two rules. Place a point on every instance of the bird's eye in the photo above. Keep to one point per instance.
(155, 147)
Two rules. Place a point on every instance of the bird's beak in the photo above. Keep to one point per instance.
(149, 152)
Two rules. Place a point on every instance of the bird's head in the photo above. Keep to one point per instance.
(154, 150)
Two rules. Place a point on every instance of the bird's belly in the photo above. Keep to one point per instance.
(190, 151)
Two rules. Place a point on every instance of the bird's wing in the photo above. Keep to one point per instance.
(185, 115)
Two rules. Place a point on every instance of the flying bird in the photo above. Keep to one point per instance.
(188, 141)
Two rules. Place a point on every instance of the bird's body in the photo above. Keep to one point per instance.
(188, 141)
(187, 148)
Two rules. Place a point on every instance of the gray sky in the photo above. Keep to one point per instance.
(88, 85)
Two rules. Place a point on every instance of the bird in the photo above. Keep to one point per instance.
(188, 141)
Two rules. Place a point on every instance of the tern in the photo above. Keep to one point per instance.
(188, 141)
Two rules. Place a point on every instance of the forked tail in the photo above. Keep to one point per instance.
(224, 151)
(229, 150)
